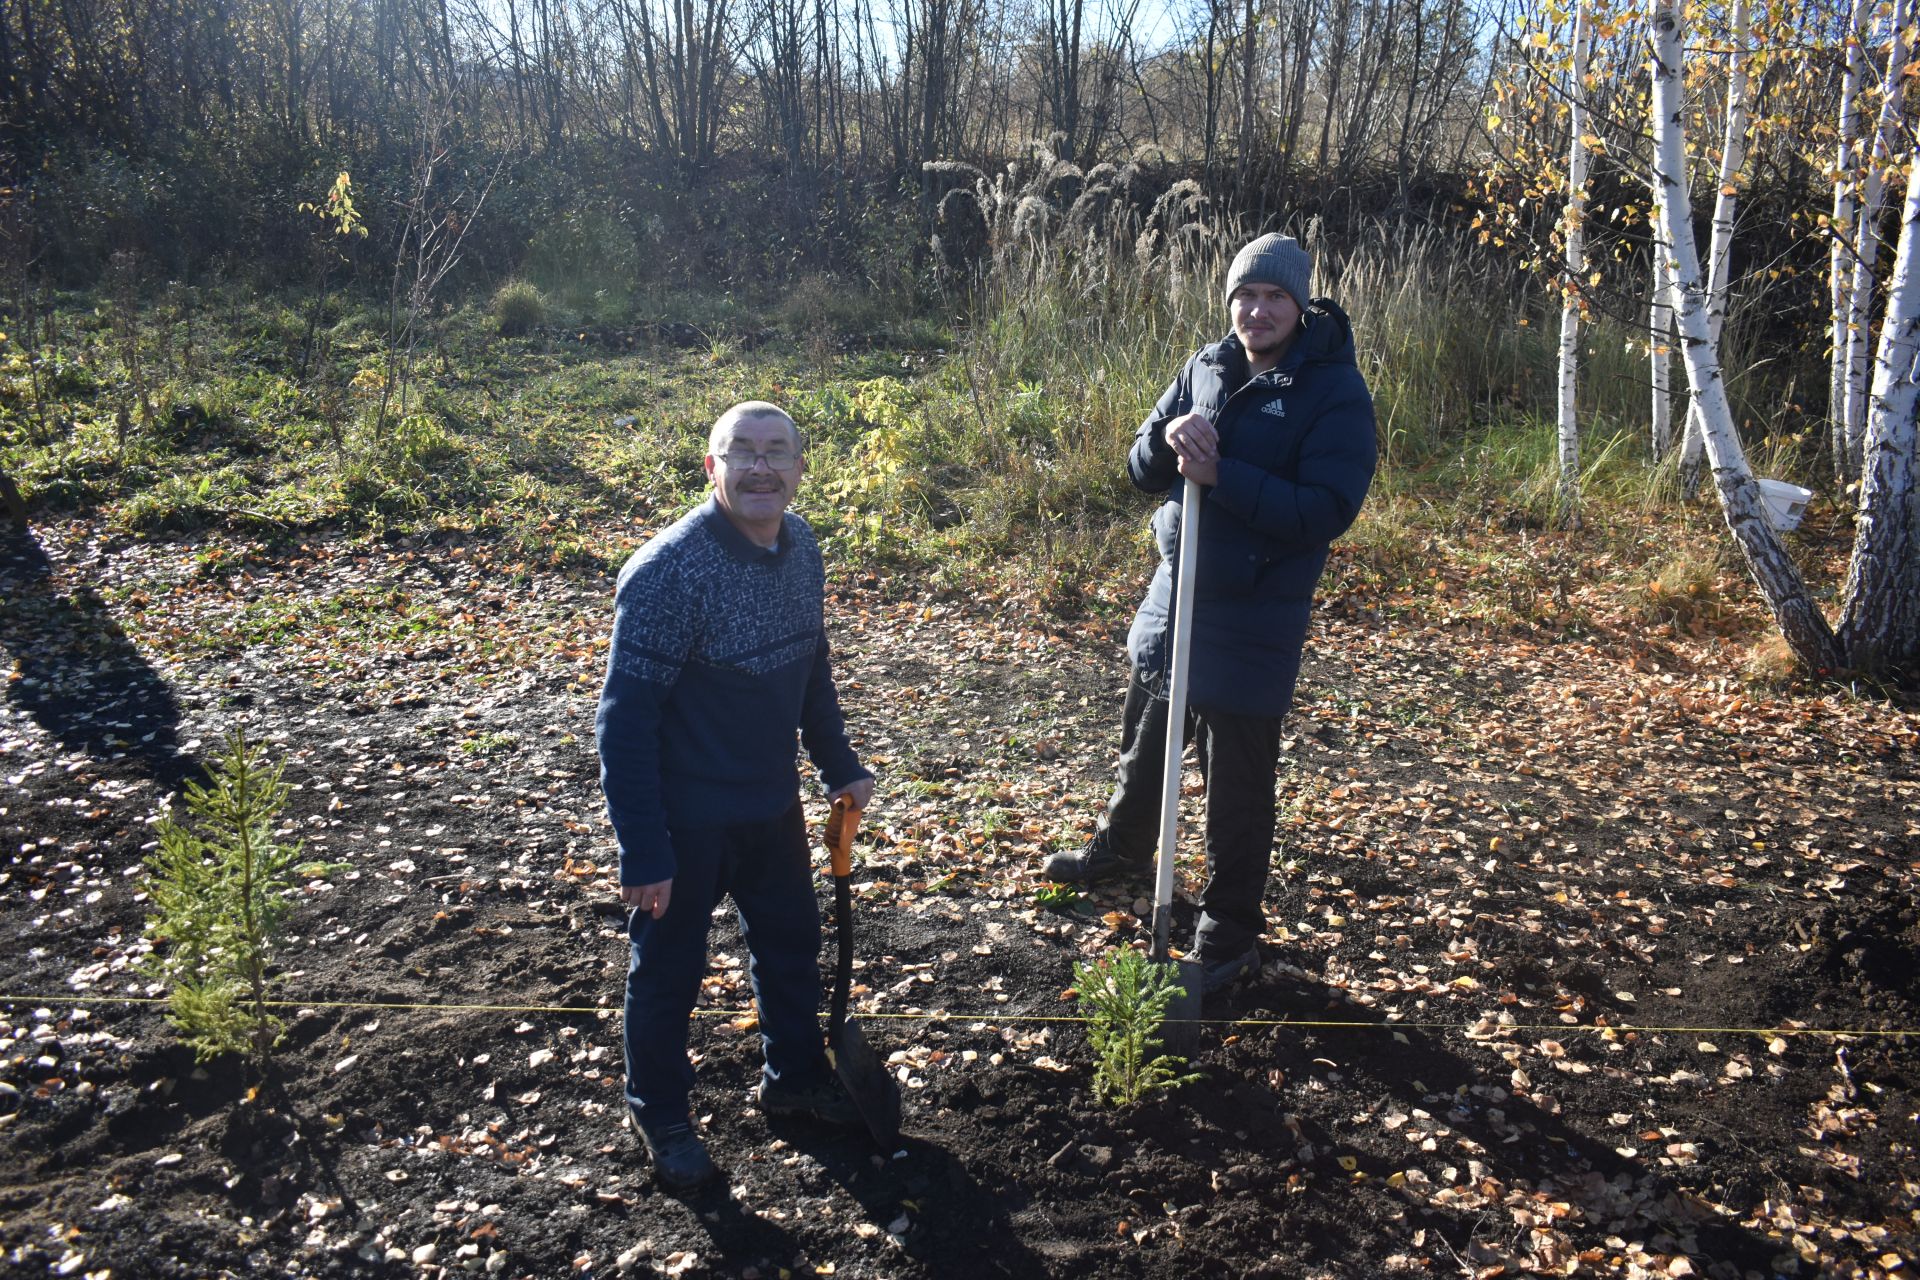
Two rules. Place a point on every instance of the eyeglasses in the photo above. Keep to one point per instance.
(776, 459)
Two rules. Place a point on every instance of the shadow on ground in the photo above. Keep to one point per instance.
(77, 674)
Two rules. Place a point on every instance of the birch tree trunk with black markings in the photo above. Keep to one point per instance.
(1805, 628)
(1866, 250)
(1841, 226)
(1660, 336)
(1880, 620)
(1574, 231)
(1733, 158)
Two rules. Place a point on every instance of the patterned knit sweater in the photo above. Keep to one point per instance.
(719, 656)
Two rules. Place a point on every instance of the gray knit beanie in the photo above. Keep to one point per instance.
(1273, 259)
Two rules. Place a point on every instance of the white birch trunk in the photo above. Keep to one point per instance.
(1801, 622)
(1733, 157)
(1660, 338)
(1866, 255)
(1574, 227)
(1880, 619)
(1846, 176)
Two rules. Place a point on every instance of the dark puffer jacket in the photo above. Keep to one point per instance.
(1297, 454)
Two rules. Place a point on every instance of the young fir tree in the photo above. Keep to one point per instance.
(1126, 997)
(220, 892)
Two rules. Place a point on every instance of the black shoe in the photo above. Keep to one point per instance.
(1218, 975)
(826, 1101)
(680, 1159)
(1091, 865)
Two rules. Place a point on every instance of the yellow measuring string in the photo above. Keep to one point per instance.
(938, 1015)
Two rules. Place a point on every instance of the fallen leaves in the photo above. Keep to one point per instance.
(1480, 835)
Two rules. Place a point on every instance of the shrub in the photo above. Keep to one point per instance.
(518, 308)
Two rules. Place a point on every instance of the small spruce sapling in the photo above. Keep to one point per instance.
(220, 895)
(1125, 996)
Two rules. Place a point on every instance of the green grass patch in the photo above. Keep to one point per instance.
(978, 445)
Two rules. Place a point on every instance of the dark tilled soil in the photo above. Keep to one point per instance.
(1544, 927)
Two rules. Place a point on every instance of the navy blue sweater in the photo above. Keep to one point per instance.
(1297, 456)
(719, 656)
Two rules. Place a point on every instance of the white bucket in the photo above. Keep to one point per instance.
(1785, 503)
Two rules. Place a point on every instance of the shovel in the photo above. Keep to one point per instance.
(861, 1072)
(1183, 1011)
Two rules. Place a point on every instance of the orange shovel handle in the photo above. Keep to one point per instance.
(842, 823)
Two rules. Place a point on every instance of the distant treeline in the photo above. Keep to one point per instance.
(696, 136)
(711, 140)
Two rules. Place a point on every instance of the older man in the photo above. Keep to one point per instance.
(1275, 424)
(719, 658)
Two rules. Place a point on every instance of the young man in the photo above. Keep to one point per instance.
(1275, 423)
(719, 658)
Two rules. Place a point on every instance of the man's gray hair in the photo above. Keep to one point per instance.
(723, 426)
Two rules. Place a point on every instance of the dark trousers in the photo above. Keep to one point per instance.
(1238, 757)
(764, 866)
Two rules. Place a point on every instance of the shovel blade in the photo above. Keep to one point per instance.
(874, 1092)
(1180, 1030)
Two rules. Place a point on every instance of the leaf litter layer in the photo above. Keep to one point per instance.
(1548, 916)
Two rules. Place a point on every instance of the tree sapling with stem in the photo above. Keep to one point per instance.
(220, 891)
(1126, 996)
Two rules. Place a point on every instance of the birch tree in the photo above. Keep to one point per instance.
(1575, 233)
(1733, 158)
(1556, 127)
(1660, 337)
(1880, 620)
(1846, 168)
(1854, 367)
(1802, 624)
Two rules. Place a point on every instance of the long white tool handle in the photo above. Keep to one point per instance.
(1176, 716)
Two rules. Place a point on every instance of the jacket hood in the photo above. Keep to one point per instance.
(1327, 338)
